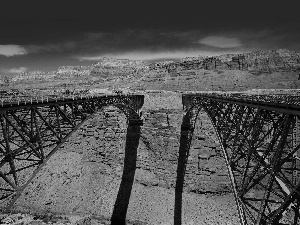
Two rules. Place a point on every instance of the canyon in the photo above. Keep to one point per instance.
(83, 176)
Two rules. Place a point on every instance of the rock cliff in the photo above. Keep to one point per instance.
(105, 67)
(256, 62)
(74, 71)
(109, 68)
(126, 71)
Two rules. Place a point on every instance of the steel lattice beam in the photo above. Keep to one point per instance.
(31, 132)
(260, 139)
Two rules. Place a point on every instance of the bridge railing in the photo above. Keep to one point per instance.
(289, 104)
(16, 100)
(291, 99)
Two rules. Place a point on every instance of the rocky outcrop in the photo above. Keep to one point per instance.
(256, 62)
(75, 71)
(160, 65)
(124, 70)
(34, 75)
(273, 61)
(4, 80)
(109, 67)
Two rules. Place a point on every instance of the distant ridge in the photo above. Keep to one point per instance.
(256, 62)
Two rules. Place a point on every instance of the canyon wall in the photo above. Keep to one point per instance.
(123, 72)
(256, 62)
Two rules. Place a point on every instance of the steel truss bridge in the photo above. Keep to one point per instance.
(259, 136)
(260, 140)
(32, 130)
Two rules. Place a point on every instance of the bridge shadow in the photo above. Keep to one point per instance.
(123, 197)
(185, 141)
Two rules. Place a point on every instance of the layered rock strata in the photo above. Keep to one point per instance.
(256, 62)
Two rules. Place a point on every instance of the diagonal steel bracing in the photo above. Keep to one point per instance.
(260, 139)
(30, 132)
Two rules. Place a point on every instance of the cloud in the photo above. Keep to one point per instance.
(91, 45)
(138, 55)
(17, 70)
(11, 50)
(53, 47)
(94, 35)
(221, 42)
(147, 55)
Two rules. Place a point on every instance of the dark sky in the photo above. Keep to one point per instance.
(43, 35)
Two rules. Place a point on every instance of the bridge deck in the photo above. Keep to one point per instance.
(282, 103)
(19, 101)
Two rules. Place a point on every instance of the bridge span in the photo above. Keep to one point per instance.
(260, 140)
(33, 129)
(259, 135)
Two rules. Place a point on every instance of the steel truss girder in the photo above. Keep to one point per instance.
(31, 133)
(261, 145)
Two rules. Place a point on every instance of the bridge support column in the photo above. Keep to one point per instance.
(296, 142)
(123, 197)
(187, 130)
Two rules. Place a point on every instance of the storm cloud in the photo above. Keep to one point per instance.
(74, 33)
